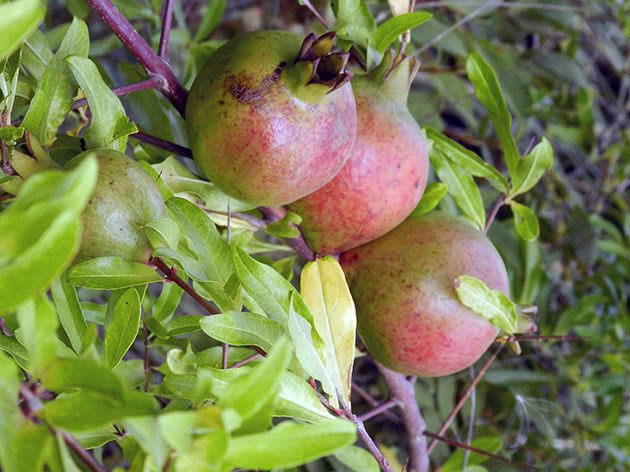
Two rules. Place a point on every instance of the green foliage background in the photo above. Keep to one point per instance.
(564, 69)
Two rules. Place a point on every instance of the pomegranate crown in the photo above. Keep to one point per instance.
(325, 68)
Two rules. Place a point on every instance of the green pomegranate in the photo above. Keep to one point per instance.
(271, 119)
(408, 313)
(386, 174)
(125, 199)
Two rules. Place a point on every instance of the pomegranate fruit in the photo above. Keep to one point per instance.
(386, 174)
(125, 199)
(270, 121)
(408, 313)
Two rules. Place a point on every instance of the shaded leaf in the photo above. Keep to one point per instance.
(123, 329)
(525, 221)
(430, 198)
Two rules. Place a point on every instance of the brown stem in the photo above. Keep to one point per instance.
(403, 392)
(299, 244)
(315, 13)
(124, 90)
(493, 212)
(163, 144)
(367, 440)
(155, 66)
(224, 363)
(84, 455)
(462, 400)
(171, 274)
(167, 19)
(437, 437)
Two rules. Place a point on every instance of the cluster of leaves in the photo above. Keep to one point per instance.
(117, 341)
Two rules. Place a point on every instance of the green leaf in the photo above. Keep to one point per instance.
(492, 305)
(13, 347)
(167, 302)
(461, 187)
(243, 329)
(10, 134)
(357, 459)
(267, 287)
(30, 444)
(304, 337)
(147, 432)
(17, 21)
(387, 32)
(122, 331)
(297, 399)
(10, 415)
(184, 324)
(84, 411)
(43, 262)
(163, 233)
(109, 126)
(183, 183)
(56, 90)
(211, 18)
(111, 273)
(491, 444)
(326, 293)
(489, 94)
(285, 228)
(354, 21)
(467, 159)
(212, 251)
(531, 168)
(84, 374)
(289, 444)
(525, 221)
(38, 323)
(430, 198)
(67, 463)
(70, 312)
(253, 391)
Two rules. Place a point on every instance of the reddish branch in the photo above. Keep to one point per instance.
(171, 274)
(377, 410)
(299, 244)
(163, 144)
(167, 19)
(493, 212)
(402, 391)
(462, 400)
(32, 404)
(124, 90)
(156, 66)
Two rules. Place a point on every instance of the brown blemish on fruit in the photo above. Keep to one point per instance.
(252, 96)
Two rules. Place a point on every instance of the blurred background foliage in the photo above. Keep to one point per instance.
(565, 71)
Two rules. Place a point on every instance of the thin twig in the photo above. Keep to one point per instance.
(147, 364)
(124, 90)
(168, 463)
(462, 400)
(171, 274)
(167, 20)
(403, 391)
(315, 13)
(437, 437)
(499, 4)
(471, 421)
(493, 212)
(373, 402)
(224, 356)
(383, 407)
(244, 361)
(367, 440)
(155, 66)
(163, 144)
(32, 404)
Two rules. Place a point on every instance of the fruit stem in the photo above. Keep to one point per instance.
(156, 66)
(403, 392)
(462, 400)
(493, 212)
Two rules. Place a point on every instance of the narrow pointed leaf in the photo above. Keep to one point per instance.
(531, 168)
(38, 325)
(430, 198)
(243, 329)
(325, 291)
(70, 312)
(123, 329)
(391, 29)
(111, 273)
